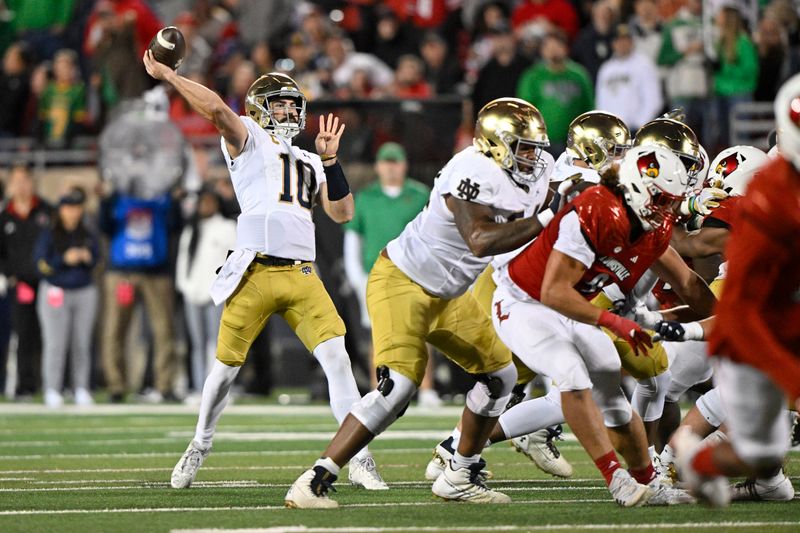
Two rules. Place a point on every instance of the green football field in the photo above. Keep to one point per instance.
(108, 468)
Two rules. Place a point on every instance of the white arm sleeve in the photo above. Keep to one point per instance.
(571, 241)
(352, 263)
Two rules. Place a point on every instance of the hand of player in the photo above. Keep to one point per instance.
(670, 330)
(157, 70)
(646, 318)
(703, 204)
(327, 141)
(627, 330)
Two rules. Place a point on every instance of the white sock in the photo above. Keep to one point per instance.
(456, 434)
(667, 455)
(328, 464)
(213, 401)
(459, 461)
(652, 452)
(342, 389)
(533, 415)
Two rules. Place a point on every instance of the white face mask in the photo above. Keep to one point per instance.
(392, 191)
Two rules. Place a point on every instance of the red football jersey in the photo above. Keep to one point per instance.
(758, 315)
(605, 225)
(723, 215)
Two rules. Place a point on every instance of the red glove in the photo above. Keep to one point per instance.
(628, 330)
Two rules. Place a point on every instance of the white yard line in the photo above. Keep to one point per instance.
(177, 409)
(123, 455)
(22, 512)
(138, 484)
(549, 527)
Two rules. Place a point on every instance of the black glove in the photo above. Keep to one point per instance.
(670, 330)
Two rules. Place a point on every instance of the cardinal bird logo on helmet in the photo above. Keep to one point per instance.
(727, 166)
(648, 165)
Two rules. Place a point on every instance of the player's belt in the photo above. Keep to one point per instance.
(268, 260)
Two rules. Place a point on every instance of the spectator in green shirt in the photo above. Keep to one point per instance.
(559, 87)
(62, 106)
(383, 208)
(41, 23)
(735, 73)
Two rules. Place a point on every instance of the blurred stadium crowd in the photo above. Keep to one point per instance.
(69, 67)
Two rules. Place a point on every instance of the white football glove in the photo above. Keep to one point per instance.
(704, 203)
(647, 318)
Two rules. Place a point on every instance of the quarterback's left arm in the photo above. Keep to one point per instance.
(337, 202)
(687, 283)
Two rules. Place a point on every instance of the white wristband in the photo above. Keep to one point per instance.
(693, 331)
(545, 217)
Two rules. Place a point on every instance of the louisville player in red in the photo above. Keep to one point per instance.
(756, 331)
(611, 233)
(730, 172)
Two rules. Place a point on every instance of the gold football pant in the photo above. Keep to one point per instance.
(404, 317)
(650, 364)
(293, 292)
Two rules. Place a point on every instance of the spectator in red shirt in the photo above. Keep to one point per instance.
(560, 13)
(409, 80)
(146, 24)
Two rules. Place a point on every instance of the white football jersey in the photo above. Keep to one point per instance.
(431, 251)
(565, 169)
(276, 185)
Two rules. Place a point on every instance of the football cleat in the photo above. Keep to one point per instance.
(626, 491)
(310, 490)
(363, 473)
(666, 494)
(714, 491)
(540, 448)
(186, 470)
(466, 485)
(441, 457)
(758, 490)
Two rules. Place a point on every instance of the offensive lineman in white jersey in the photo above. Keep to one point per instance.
(417, 293)
(594, 140)
(271, 270)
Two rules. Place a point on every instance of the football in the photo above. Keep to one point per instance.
(168, 47)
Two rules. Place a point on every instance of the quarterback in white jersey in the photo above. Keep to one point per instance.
(417, 293)
(271, 270)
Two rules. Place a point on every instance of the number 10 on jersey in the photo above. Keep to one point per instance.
(305, 187)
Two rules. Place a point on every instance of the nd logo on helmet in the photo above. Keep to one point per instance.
(648, 165)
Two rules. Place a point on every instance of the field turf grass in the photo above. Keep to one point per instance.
(107, 469)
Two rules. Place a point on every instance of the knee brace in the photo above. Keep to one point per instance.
(611, 400)
(378, 409)
(490, 394)
(711, 407)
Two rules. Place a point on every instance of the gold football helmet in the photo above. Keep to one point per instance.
(512, 132)
(275, 85)
(597, 138)
(675, 136)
